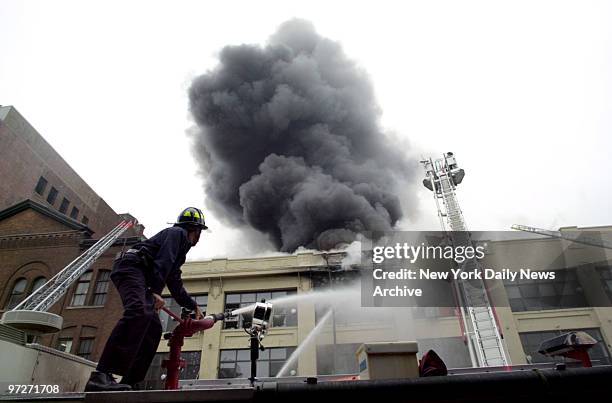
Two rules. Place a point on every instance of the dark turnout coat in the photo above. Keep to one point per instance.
(164, 254)
(143, 270)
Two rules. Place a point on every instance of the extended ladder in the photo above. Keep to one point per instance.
(24, 314)
(484, 338)
(568, 236)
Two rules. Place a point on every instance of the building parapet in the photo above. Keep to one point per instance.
(271, 265)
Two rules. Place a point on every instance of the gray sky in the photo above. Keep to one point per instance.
(520, 91)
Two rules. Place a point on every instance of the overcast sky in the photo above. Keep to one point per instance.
(519, 90)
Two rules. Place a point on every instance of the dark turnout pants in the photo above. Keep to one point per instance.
(134, 340)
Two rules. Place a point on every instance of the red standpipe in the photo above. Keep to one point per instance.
(186, 328)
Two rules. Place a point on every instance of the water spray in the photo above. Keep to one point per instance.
(305, 343)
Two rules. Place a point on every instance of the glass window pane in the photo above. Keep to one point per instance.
(20, 286)
(64, 344)
(38, 283)
(248, 297)
(232, 298)
(192, 365)
(264, 295)
(243, 369)
(291, 319)
(228, 355)
(64, 206)
(532, 304)
(263, 368)
(99, 299)
(549, 302)
(513, 291)
(569, 288)
(278, 320)
(85, 348)
(547, 290)
(82, 288)
(529, 290)
(41, 185)
(102, 287)
(244, 355)
(278, 354)
(227, 370)
(52, 196)
(275, 367)
(279, 294)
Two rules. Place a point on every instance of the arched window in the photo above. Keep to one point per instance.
(86, 342)
(37, 283)
(17, 294)
(65, 339)
(101, 290)
(80, 292)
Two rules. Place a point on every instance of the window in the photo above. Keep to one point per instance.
(153, 377)
(41, 186)
(80, 292)
(282, 315)
(531, 343)
(564, 291)
(52, 195)
(17, 294)
(168, 324)
(65, 344)
(345, 361)
(237, 363)
(85, 347)
(74, 213)
(85, 220)
(101, 289)
(37, 283)
(605, 273)
(64, 206)
(432, 312)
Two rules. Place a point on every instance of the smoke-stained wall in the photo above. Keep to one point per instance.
(289, 142)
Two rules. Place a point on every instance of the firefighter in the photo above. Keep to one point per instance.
(140, 275)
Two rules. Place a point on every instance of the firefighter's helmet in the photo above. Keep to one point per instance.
(191, 216)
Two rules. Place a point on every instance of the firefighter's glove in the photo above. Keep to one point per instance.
(218, 316)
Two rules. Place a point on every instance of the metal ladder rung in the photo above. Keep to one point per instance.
(481, 327)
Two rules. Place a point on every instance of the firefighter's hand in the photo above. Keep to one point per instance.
(218, 316)
(198, 313)
(159, 302)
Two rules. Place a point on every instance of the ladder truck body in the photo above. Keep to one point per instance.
(484, 339)
(31, 314)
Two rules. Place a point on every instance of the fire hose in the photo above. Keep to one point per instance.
(187, 327)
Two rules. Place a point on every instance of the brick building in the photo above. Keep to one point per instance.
(32, 169)
(48, 217)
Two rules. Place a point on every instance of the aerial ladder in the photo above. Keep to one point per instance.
(484, 339)
(568, 236)
(31, 315)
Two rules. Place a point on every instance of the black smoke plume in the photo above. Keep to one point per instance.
(290, 144)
